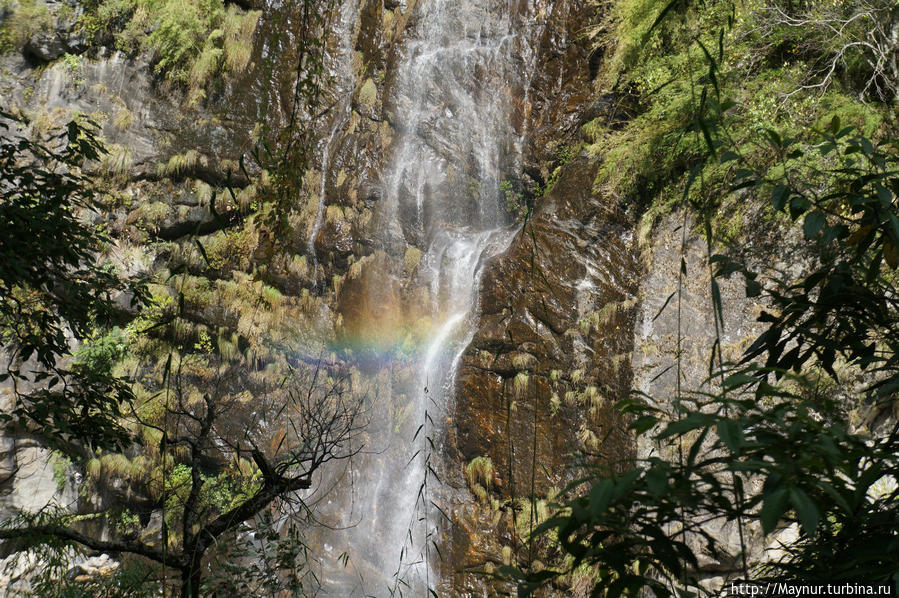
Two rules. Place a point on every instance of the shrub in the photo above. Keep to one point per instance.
(192, 41)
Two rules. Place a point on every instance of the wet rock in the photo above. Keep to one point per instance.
(371, 307)
(572, 261)
(370, 40)
(335, 241)
(95, 566)
(561, 88)
(45, 47)
(656, 342)
(33, 485)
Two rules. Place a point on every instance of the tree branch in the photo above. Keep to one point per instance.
(32, 533)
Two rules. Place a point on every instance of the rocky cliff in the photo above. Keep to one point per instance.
(565, 318)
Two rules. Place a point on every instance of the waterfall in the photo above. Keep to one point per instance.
(462, 67)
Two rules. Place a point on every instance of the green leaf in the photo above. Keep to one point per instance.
(739, 379)
(657, 480)
(662, 14)
(732, 434)
(834, 125)
(867, 147)
(687, 424)
(779, 197)
(753, 288)
(806, 510)
(814, 220)
(643, 424)
(773, 507)
(798, 206)
(202, 252)
(884, 195)
(600, 497)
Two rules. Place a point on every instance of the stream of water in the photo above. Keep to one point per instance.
(462, 68)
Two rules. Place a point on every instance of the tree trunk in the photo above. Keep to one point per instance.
(190, 579)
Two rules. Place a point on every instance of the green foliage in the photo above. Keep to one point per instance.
(847, 309)
(216, 346)
(515, 202)
(220, 491)
(648, 160)
(61, 464)
(99, 355)
(192, 42)
(53, 284)
(633, 527)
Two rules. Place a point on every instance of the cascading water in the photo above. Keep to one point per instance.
(463, 67)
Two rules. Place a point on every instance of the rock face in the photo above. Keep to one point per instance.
(544, 344)
(655, 345)
(658, 324)
(62, 36)
(551, 352)
(548, 361)
(539, 309)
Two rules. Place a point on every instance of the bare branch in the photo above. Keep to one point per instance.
(35, 532)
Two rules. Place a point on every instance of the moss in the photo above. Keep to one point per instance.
(180, 164)
(334, 214)
(368, 94)
(412, 258)
(206, 64)
(480, 471)
(646, 163)
(528, 517)
(523, 361)
(123, 118)
(387, 20)
(150, 214)
(298, 267)
(480, 475)
(61, 464)
(520, 382)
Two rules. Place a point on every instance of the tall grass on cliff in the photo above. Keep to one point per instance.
(191, 42)
(786, 106)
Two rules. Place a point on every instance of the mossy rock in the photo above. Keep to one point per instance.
(368, 94)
